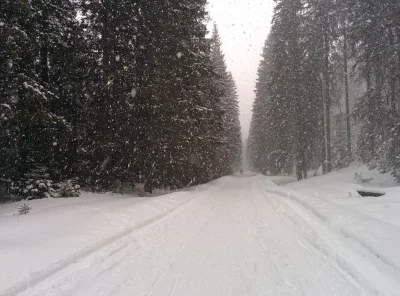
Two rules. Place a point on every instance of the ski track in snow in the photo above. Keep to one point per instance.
(239, 236)
(62, 264)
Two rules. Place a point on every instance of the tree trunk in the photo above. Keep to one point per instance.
(323, 129)
(370, 106)
(398, 53)
(327, 106)
(392, 72)
(44, 50)
(346, 86)
(298, 170)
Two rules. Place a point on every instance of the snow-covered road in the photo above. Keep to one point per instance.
(235, 237)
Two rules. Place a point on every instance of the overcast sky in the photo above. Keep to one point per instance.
(243, 26)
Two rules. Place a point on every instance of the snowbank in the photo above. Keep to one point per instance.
(379, 237)
(343, 183)
(340, 187)
(57, 232)
(374, 222)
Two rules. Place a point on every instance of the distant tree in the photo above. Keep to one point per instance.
(287, 112)
(231, 148)
(373, 33)
(315, 52)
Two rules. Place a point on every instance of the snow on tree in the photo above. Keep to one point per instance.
(232, 143)
(29, 124)
(306, 94)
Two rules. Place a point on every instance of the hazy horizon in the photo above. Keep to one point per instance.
(243, 26)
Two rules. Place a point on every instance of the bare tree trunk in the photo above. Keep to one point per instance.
(323, 117)
(346, 86)
(299, 172)
(305, 165)
(44, 64)
(370, 103)
(398, 52)
(392, 83)
(327, 106)
(44, 49)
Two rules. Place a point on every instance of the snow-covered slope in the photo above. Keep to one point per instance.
(340, 187)
(57, 232)
(239, 235)
(344, 183)
(373, 222)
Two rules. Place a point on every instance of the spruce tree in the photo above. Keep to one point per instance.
(373, 35)
(109, 145)
(176, 100)
(231, 148)
(32, 134)
(286, 127)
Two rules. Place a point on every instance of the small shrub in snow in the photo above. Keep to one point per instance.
(35, 185)
(33, 189)
(117, 187)
(24, 209)
(359, 178)
(68, 188)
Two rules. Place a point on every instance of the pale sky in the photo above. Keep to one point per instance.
(243, 26)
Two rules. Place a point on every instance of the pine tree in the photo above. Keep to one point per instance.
(373, 33)
(312, 46)
(286, 124)
(32, 134)
(109, 146)
(231, 149)
(232, 126)
(269, 148)
(126, 92)
(176, 100)
(63, 58)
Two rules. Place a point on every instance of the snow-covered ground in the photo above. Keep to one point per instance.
(239, 235)
(58, 232)
(340, 187)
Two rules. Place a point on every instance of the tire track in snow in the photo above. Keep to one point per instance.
(349, 262)
(187, 239)
(273, 251)
(277, 207)
(174, 285)
(233, 241)
(379, 254)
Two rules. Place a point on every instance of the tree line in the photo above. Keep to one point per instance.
(106, 91)
(328, 88)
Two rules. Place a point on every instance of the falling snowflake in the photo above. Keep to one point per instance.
(104, 163)
(133, 92)
(179, 55)
(117, 58)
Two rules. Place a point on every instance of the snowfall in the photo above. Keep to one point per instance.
(239, 235)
